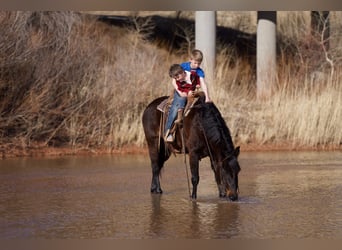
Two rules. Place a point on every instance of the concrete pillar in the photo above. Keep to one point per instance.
(205, 40)
(266, 53)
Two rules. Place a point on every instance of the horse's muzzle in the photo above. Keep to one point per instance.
(233, 196)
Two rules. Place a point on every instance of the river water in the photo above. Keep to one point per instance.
(283, 195)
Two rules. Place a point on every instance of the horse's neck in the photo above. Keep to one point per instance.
(221, 151)
(219, 142)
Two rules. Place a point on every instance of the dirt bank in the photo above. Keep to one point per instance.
(8, 151)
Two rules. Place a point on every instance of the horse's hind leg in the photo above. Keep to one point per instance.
(155, 184)
(158, 157)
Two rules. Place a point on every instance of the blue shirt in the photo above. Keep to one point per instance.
(186, 67)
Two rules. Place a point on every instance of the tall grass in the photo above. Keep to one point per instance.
(306, 116)
(69, 80)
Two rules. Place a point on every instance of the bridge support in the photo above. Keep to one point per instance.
(205, 40)
(266, 53)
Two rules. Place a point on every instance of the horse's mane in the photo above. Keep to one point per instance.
(215, 128)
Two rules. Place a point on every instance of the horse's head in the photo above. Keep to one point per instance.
(229, 175)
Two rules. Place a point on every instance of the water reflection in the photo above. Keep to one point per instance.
(282, 195)
(194, 219)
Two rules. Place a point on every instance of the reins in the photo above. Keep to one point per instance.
(161, 125)
(186, 165)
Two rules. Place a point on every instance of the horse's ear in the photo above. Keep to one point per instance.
(237, 151)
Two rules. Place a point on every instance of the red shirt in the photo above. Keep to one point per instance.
(185, 86)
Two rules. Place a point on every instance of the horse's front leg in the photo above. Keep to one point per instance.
(194, 164)
(221, 187)
(155, 184)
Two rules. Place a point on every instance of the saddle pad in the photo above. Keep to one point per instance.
(162, 106)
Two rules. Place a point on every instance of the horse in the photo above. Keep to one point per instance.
(203, 133)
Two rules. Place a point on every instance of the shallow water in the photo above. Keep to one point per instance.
(282, 195)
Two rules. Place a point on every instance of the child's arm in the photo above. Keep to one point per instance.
(174, 84)
(204, 89)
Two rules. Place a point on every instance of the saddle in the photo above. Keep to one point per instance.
(164, 107)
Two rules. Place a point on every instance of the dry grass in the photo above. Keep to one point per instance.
(68, 80)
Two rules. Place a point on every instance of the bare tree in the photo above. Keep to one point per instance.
(320, 26)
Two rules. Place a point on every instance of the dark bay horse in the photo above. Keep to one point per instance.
(205, 133)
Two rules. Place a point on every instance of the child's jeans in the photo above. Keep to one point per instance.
(177, 103)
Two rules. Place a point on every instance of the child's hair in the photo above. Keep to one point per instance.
(175, 70)
(196, 55)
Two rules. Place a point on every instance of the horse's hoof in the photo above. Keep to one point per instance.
(156, 191)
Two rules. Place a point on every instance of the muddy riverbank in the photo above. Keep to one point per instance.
(10, 151)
